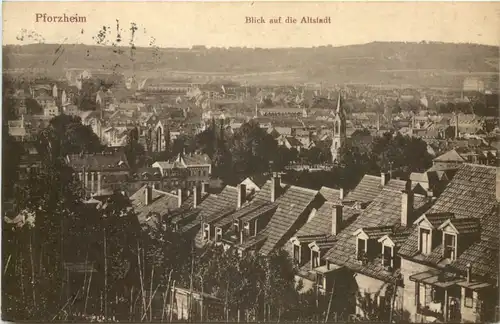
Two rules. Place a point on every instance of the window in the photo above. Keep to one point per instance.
(206, 232)
(425, 241)
(468, 297)
(361, 248)
(320, 280)
(450, 246)
(437, 295)
(315, 259)
(218, 234)
(252, 228)
(247, 229)
(236, 226)
(387, 256)
(296, 252)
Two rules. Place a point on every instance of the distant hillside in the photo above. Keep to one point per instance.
(418, 64)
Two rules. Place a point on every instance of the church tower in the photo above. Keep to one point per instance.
(339, 130)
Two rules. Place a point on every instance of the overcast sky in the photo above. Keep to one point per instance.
(177, 24)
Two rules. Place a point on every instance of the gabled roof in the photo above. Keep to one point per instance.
(321, 222)
(161, 203)
(434, 219)
(227, 198)
(168, 165)
(384, 210)
(331, 195)
(291, 205)
(196, 159)
(367, 189)
(397, 237)
(470, 194)
(259, 180)
(323, 244)
(450, 156)
(375, 232)
(462, 225)
(247, 213)
(116, 160)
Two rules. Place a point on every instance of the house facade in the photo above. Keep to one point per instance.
(100, 174)
(450, 259)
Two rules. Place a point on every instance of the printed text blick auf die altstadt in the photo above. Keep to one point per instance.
(288, 20)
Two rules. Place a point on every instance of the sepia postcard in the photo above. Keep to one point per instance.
(322, 162)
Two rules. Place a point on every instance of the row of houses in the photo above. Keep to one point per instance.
(428, 249)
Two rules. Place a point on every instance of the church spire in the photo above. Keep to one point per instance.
(339, 130)
(340, 109)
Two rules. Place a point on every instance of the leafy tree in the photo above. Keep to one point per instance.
(12, 152)
(134, 151)
(252, 149)
(67, 135)
(404, 153)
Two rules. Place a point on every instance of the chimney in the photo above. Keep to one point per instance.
(275, 186)
(406, 205)
(204, 188)
(469, 272)
(148, 195)
(384, 178)
(242, 193)
(179, 197)
(456, 125)
(196, 196)
(341, 193)
(337, 219)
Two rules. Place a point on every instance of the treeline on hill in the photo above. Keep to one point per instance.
(389, 55)
(372, 63)
(125, 266)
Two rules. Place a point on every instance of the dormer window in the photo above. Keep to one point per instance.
(206, 232)
(315, 259)
(361, 244)
(218, 234)
(450, 246)
(425, 241)
(296, 252)
(320, 280)
(361, 248)
(246, 228)
(387, 256)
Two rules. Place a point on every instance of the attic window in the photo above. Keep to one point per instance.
(425, 241)
(450, 246)
(296, 252)
(361, 248)
(315, 259)
(247, 229)
(206, 232)
(387, 256)
(320, 280)
(218, 234)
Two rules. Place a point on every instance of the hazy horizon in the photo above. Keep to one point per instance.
(250, 47)
(222, 25)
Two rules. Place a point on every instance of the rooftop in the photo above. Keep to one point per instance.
(98, 161)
